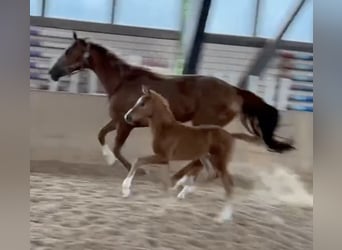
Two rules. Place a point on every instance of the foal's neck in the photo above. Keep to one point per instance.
(108, 67)
(161, 120)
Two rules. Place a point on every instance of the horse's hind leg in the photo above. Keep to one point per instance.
(106, 152)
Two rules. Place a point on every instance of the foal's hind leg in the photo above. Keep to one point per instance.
(187, 181)
(206, 162)
(190, 174)
(192, 168)
(220, 161)
(176, 179)
(206, 116)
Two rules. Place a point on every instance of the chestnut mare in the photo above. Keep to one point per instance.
(171, 140)
(199, 99)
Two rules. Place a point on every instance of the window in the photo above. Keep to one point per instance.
(160, 14)
(231, 17)
(302, 27)
(36, 7)
(274, 14)
(85, 10)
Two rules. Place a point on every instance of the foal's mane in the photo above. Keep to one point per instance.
(162, 100)
(131, 71)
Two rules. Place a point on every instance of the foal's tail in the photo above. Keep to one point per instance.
(261, 119)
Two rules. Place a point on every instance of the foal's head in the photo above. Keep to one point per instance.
(74, 59)
(149, 104)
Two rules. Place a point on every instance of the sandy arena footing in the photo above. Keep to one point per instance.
(79, 206)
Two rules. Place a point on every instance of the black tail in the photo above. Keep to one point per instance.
(255, 110)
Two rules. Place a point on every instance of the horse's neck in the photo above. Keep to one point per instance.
(109, 69)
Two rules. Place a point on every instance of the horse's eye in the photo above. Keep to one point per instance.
(142, 104)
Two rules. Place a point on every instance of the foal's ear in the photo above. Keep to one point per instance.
(74, 35)
(145, 90)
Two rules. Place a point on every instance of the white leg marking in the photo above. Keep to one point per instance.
(185, 180)
(108, 154)
(207, 165)
(226, 214)
(182, 193)
(126, 186)
(186, 190)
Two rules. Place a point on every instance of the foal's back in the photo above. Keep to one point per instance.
(194, 142)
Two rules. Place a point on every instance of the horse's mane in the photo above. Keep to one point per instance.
(131, 71)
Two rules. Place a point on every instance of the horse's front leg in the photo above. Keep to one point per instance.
(152, 159)
(106, 152)
(123, 131)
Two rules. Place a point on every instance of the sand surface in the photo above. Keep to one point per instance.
(79, 206)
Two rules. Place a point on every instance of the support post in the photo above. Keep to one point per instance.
(265, 54)
(193, 34)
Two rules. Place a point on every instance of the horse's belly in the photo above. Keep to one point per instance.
(183, 110)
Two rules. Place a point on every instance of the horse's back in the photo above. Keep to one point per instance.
(188, 95)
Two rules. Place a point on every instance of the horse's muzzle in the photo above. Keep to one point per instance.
(56, 73)
(128, 119)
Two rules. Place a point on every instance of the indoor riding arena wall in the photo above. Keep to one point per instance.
(64, 128)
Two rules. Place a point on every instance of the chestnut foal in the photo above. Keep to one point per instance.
(173, 140)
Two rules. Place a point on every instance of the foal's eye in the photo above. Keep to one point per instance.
(142, 104)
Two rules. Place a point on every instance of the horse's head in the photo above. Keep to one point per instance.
(142, 109)
(73, 59)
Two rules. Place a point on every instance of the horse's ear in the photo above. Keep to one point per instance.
(74, 35)
(145, 90)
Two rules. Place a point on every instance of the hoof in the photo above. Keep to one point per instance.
(186, 190)
(126, 192)
(126, 187)
(181, 196)
(219, 220)
(225, 215)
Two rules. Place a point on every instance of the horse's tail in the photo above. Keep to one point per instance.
(261, 119)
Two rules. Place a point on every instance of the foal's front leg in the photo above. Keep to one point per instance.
(152, 159)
